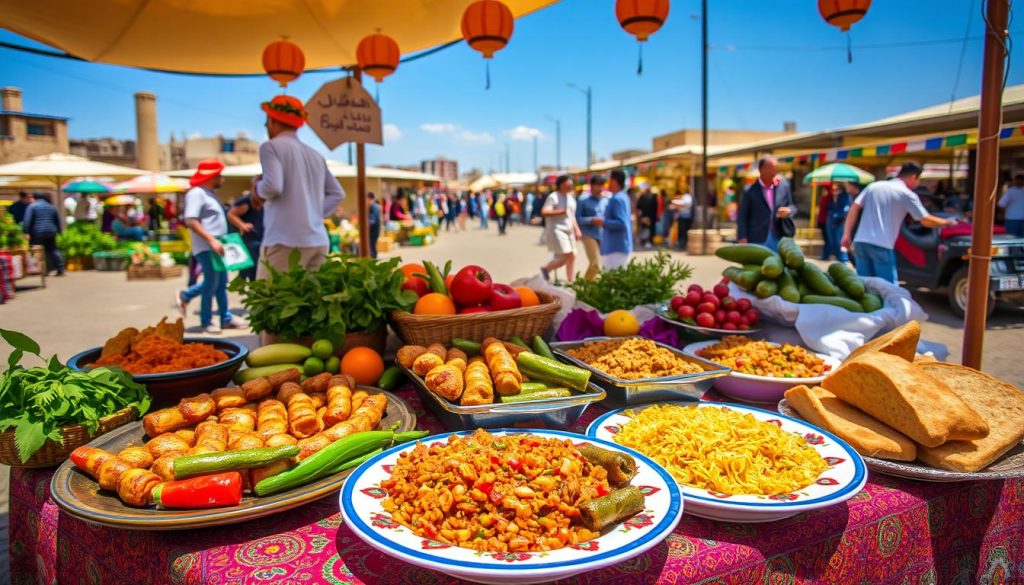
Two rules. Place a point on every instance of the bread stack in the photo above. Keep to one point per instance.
(889, 403)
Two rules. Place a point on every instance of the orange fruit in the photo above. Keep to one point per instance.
(434, 304)
(621, 323)
(363, 364)
(529, 297)
(410, 270)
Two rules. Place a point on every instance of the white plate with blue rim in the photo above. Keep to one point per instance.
(844, 476)
(361, 507)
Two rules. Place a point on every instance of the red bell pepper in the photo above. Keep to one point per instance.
(204, 491)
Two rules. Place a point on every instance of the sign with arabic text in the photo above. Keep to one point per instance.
(342, 111)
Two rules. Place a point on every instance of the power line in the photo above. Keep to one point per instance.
(866, 46)
(963, 52)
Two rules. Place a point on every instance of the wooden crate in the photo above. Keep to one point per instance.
(154, 272)
(385, 244)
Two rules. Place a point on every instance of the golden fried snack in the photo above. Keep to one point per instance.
(270, 469)
(433, 357)
(319, 399)
(198, 408)
(257, 389)
(302, 421)
(407, 354)
(166, 443)
(187, 435)
(456, 357)
(249, 440)
(232, 397)
(358, 397)
(165, 420)
(446, 381)
(339, 401)
(109, 472)
(213, 435)
(278, 379)
(513, 349)
(280, 440)
(504, 371)
(271, 418)
(89, 459)
(164, 467)
(479, 388)
(135, 487)
(365, 418)
(317, 383)
(138, 457)
(238, 419)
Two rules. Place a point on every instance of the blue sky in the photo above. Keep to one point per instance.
(770, 62)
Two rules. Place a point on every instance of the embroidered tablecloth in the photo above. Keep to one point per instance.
(894, 531)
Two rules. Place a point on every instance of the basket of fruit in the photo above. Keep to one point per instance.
(469, 305)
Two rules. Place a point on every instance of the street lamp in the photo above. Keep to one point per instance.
(587, 93)
(558, 141)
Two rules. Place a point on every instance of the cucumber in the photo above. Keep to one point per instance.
(540, 368)
(848, 304)
(749, 277)
(390, 378)
(470, 348)
(791, 253)
(772, 267)
(540, 347)
(247, 374)
(527, 387)
(205, 463)
(787, 287)
(733, 274)
(871, 302)
(766, 288)
(817, 280)
(519, 341)
(537, 395)
(803, 289)
(278, 353)
(744, 253)
(847, 280)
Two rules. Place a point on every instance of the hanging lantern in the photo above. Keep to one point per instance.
(843, 13)
(378, 56)
(487, 26)
(641, 18)
(283, 61)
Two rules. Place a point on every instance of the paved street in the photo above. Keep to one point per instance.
(83, 309)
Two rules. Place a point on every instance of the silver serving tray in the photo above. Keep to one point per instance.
(627, 392)
(79, 495)
(662, 314)
(1009, 466)
(553, 413)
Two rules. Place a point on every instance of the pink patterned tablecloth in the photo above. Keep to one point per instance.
(894, 531)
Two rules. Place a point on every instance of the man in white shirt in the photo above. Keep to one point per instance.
(1012, 203)
(885, 204)
(298, 190)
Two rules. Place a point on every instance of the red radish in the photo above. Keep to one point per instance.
(695, 287)
(677, 302)
(744, 320)
(706, 308)
(743, 305)
(705, 320)
(687, 312)
(711, 298)
(728, 303)
(734, 317)
(752, 316)
(720, 316)
(730, 326)
(721, 291)
(743, 327)
(693, 298)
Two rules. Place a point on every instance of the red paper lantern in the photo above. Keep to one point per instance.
(378, 56)
(487, 26)
(843, 13)
(641, 18)
(283, 61)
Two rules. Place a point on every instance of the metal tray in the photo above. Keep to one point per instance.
(78, 494)
(552, 413)
(702, 332)
(626, 392)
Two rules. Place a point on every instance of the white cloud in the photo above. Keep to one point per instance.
(391, 132)
(474, 137)
(458, 132)
(439, 128)
(524, 133)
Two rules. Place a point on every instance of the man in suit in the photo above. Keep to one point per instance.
(761, 204)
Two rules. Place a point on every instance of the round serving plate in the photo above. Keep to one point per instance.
(844, 477)
(760, 389)
(663, 311)
(1009, 466)
(362, 499)
(80, 496)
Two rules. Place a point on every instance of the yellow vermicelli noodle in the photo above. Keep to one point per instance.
(722, 450)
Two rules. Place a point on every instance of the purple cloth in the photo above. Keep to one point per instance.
(582, 323)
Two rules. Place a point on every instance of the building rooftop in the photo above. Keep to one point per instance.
(31, 115)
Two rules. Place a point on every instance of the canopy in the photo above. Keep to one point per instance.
(501, 179)
(120, 200)
(151, 183)
(85, 185)
(58, 165)
(228, 36)
(337, 169)
(839, 172)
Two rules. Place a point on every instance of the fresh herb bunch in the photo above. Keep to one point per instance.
(644, 282)
(37, 402)
(345, 294)
(84, 238)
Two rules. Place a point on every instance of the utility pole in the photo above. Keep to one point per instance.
(508, 165)
(587, 92)
(702, 187)
(535, 166)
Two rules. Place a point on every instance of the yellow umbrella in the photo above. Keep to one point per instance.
(117, 200)
(180, 36)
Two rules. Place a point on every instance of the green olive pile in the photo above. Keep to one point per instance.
(787, 274)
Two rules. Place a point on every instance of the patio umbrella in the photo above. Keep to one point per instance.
(839, 172)
(151, 183)
(120, 200)
(85, 185)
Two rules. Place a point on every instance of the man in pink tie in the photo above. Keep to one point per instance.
(763, 205)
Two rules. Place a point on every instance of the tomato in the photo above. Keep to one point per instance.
(729, 327)
(448, 281)
(677, 301)
(711, 298)
(706, 308)
(743, 305)
(504, 297)
(734, 317)
(687, 312)
(721, 291)
(720, 316)
(471, 286)
(752, 316)
(695, 288)
(693, 298)
(705, 320)
(729, 303)
(413, 282)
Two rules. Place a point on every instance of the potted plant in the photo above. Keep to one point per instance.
(80, 241)
(346, 300)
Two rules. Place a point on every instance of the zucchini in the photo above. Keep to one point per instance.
(766, 288)
(772, 267)
(847, 280)
(787, 287)
(749, 277)
(871, 302)
(206, 463)
(733, 274)
(540, 347)
(537, 395)
(540, 368)
(247, 374)
(744, 253)
(278, 353)
(817, 280)
(390, 378)
(791, 253)
(528, 387)
(848, 304)
(519, 341)
(803, 289)
(471, 348)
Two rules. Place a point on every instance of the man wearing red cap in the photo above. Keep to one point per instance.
(298, 189)
(204, 215)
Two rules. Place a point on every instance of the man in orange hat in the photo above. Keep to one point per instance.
(298, 189)
(205, 218)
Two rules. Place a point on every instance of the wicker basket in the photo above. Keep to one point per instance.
(525, 322)
(53, 453)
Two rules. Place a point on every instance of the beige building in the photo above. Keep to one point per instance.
(24, 135)
(186, 154)
(717, 137)
(109, 150)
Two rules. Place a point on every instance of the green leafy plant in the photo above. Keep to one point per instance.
(11, 235)
(84, 238)
(38, 401)
(345, 294)
(644, 282)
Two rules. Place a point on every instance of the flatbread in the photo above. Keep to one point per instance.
(901, 341)
(999, 403)
(901, 395)
(867, 435)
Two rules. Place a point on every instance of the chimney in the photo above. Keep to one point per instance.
(789, 126)
(11, 99)
(147, 151)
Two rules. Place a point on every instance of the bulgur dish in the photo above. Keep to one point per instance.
(761, 358)
(511, 493)
(633, 359)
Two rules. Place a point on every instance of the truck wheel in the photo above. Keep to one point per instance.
(957, 294)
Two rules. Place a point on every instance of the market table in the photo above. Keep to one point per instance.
(894, 531)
